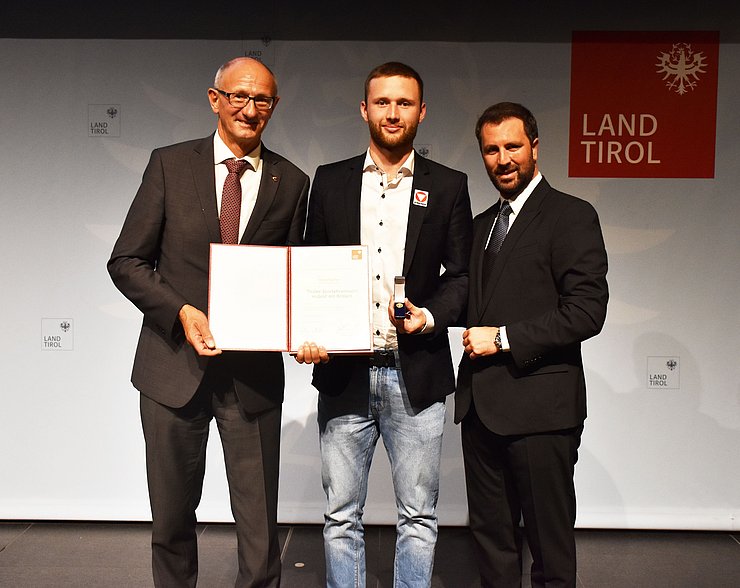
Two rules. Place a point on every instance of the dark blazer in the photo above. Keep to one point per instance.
(160, 262)
(548, 287)
(436, 235)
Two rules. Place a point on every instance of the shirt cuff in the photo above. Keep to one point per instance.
(504, 339)
(429, 327)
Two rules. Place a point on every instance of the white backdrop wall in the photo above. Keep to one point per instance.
(71, 442)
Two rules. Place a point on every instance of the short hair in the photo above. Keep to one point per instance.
(394, 68)
(228, 64)
(497, 113)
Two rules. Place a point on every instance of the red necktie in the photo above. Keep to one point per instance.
(231, 200)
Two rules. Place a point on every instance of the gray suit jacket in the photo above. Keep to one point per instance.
(160, 262)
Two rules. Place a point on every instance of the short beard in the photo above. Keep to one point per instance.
(405, 139)
(509, 193)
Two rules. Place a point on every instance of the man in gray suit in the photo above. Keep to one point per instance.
(160, 262)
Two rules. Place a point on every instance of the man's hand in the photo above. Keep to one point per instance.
(478, 341)
(197, 331)
(415, 319)
(309, 352)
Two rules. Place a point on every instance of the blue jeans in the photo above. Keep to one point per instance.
(413, 440)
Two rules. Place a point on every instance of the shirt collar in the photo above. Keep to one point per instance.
(407, 167)
(221, 153)
(518, 203)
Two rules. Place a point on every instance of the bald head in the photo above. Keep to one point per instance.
(247, 64)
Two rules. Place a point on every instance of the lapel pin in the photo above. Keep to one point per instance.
(274, 178)
(421, 198)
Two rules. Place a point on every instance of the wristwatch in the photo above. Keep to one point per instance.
(497, 340)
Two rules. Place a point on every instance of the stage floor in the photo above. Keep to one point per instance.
(61, 554)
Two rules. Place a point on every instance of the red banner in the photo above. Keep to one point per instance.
(643, 104)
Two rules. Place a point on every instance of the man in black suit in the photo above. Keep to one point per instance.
(415, 217)
(160, 262)
(537, 290)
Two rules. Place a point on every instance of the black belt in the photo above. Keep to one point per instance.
(384, 358)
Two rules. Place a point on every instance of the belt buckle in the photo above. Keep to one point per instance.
(383, 358)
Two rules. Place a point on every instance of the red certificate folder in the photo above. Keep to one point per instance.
(275, 298)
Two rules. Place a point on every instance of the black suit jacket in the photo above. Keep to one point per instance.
(437, 235)
(548, 287)
(161, 259)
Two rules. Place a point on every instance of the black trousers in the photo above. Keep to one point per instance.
(521, 476)
(175, 455)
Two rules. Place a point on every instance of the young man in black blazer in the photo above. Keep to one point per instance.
(414, 214)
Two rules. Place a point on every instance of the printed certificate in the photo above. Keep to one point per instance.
(276, 298)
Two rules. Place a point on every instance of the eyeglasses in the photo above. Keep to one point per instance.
(240, 100)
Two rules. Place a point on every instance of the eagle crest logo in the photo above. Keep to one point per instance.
(681, 67)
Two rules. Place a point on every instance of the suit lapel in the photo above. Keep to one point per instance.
(480, 236)
(422, 181)
(528, 213)
(204, 178)
(269, 184)
(349, 200)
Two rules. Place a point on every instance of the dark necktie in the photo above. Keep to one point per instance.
(231, 200)
(500, 227)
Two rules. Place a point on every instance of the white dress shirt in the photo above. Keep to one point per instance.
(384, 215)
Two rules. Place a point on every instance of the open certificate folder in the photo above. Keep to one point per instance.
(276, 298)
